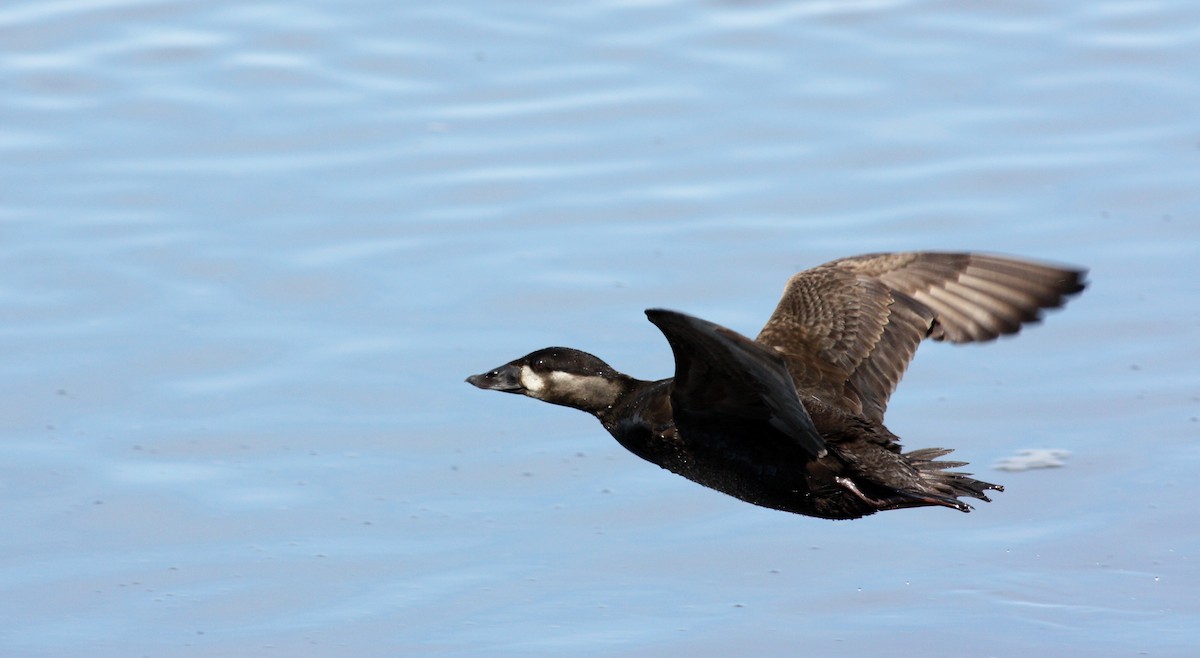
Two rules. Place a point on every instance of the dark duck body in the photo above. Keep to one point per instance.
(793, 420)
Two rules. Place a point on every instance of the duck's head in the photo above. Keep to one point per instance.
(558, 375)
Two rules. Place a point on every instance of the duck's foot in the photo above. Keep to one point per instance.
(848, 485)
(908, 499)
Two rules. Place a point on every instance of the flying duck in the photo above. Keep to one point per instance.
(793, 420)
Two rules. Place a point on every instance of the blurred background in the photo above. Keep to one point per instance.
(249, 251)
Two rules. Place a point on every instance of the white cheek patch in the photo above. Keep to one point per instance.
(570, 385)
(565, 380)
(532, 381)
(583, 387)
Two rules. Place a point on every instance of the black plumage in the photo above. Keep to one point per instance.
(793, 420)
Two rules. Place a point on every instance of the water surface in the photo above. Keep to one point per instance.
(251, 251)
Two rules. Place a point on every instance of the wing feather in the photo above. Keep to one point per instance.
(722, 375)
(849, 328)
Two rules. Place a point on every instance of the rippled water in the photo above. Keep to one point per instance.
(251, 251)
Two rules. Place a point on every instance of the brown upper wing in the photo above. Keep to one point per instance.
(849, 328)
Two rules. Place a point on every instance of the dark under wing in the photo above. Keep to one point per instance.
(722, 377)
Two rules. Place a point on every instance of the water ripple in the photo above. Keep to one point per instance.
(251, 250)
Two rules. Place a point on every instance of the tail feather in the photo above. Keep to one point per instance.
(932, 484)
(947, 486)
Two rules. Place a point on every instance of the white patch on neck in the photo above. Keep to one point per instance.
(584, 388)
(568, 382)
(532, 381)
(579, 391)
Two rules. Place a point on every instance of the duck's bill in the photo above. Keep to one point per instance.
(506, 378)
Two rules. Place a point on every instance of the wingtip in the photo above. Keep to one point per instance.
(1080, 282)
(662, 316)
(675, 322)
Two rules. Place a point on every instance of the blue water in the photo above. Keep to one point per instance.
(249, 253)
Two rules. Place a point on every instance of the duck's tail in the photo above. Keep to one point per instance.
(945, 487)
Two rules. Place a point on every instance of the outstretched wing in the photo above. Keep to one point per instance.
(722, 376)
(849, 328)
